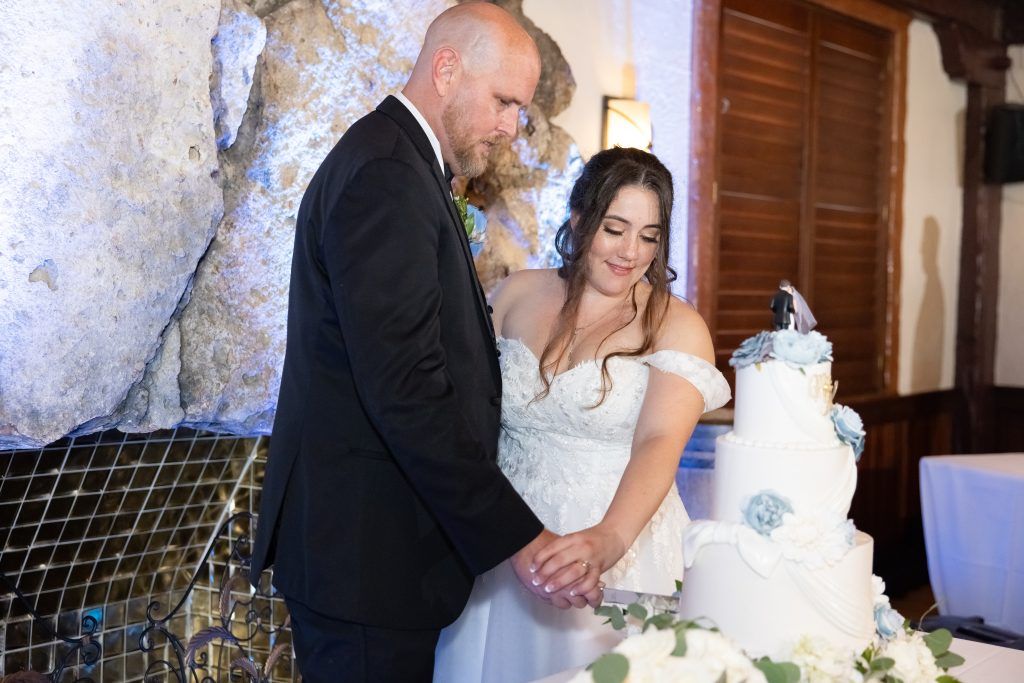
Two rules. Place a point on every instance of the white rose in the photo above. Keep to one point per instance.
(914, 662)
(686, 670)
(655, 644)
(721, 654)
(822, 662)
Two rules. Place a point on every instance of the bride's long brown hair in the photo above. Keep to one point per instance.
(604, 175)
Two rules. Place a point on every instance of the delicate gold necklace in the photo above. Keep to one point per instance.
(575, 335)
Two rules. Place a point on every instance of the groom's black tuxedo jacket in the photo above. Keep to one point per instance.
(382, 497)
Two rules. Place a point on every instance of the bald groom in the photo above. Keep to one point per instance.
(382, 498)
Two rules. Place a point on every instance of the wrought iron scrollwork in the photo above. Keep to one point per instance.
(186, 663)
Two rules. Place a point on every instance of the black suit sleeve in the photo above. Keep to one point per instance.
(380, 249)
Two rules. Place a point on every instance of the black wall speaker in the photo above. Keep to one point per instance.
(1004, 144)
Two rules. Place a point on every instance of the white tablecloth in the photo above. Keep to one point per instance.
(973, 511)
(984, 664)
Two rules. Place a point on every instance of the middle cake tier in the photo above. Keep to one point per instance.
(818, 481)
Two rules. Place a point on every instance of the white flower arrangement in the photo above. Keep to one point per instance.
(665, 649)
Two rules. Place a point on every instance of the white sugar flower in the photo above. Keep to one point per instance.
(813, 540)
(878, 590)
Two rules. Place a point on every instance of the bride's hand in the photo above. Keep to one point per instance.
(576, 561)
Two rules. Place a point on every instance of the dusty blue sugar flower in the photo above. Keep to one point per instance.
(888, 622)
(849, 428)
(754, 349)
(765, 510)
(801, 349)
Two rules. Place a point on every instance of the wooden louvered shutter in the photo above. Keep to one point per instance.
(804, 178)
(846, 197)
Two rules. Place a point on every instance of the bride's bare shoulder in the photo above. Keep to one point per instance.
(524, 283)
(523, 286)
(683, 329)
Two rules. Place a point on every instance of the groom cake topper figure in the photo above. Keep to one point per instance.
(790, 310)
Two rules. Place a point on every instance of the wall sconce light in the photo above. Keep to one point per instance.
(627, 123)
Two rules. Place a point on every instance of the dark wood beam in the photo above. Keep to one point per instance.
(983, 16)
(980, 62)
(1013, 22)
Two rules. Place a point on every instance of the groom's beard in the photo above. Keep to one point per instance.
(471, 155)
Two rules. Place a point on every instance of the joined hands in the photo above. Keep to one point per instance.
(565, 571)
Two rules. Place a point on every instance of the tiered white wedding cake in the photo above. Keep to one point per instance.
(780, 560)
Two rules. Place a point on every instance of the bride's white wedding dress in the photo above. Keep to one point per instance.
(566, 461)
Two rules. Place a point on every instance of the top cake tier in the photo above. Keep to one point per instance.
(779, 404)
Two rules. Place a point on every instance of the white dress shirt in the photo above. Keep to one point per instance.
(434, 142)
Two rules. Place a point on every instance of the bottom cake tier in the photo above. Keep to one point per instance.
(768, 614)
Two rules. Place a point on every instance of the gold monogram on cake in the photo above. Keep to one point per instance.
(823, 390)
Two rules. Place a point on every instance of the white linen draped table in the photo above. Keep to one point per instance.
(984, 664)
(973, 512)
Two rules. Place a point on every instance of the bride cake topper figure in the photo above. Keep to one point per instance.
(790, 310)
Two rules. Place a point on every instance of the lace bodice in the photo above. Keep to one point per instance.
(566, 458)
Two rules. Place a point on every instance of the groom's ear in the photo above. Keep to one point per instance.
(444, 67)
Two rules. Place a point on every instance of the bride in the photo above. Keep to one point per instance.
(605, 374)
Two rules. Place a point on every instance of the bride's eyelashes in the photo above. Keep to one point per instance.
(651, 239)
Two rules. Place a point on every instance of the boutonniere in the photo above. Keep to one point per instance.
(474, 221)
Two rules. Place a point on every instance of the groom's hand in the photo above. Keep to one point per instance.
(521, 564)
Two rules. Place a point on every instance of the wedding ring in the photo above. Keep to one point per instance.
(586, 565)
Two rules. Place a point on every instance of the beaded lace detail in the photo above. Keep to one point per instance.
(566, 459)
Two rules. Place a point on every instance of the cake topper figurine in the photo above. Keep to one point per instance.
(790, 310)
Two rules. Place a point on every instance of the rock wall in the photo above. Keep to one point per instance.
(152, 158)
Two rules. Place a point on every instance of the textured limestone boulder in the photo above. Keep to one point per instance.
(240, 39)
(323, 67)
(152, 160)
(525, 192)
(108, 198)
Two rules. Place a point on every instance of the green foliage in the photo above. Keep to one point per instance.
(680, 650)
(637, 611)
(778, 672)
(468, 219)
(660, 621)
(615, 615)
(947, 660)
(610, 668)
(882, 663)
(938, 641)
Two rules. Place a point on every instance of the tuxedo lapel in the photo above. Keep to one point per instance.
(398, 112)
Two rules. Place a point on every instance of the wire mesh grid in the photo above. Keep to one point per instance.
(98, 527)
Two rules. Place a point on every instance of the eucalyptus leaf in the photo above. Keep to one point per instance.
(723, 678)
(680, 650)
(610, 668)
(946, 678)
(882, 663)
(618, 621)
(778, 672)
(947, 660)
(660, 621)
(679, 585)
(607, 611)
(938, 641)
(791, 670)
(637, 611)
